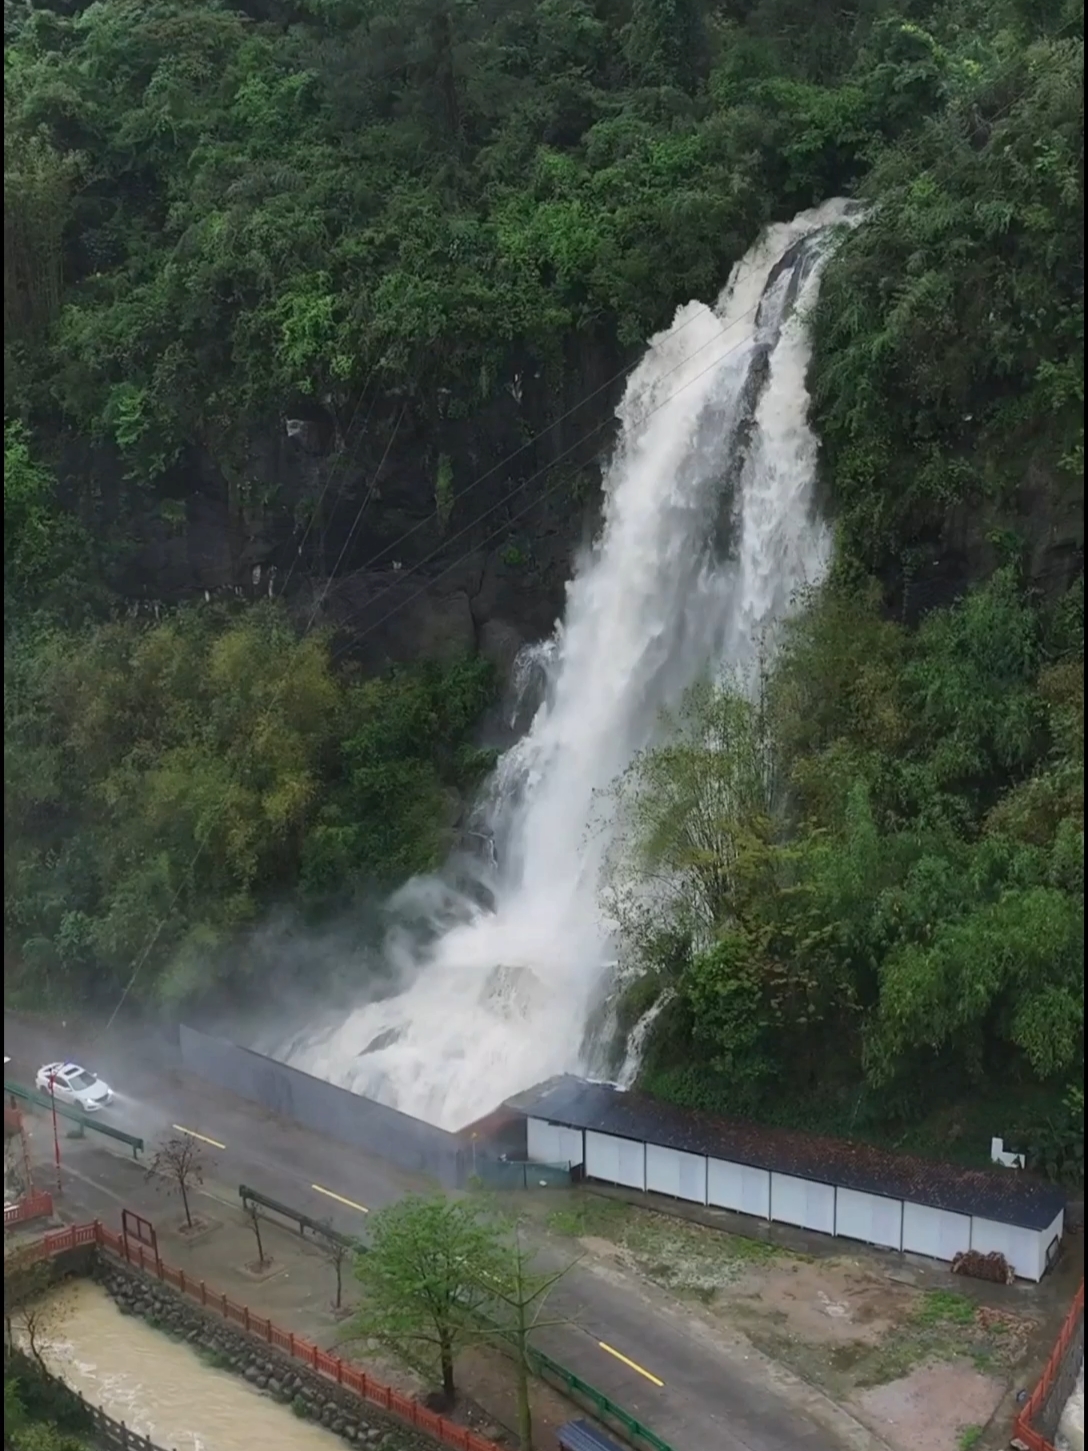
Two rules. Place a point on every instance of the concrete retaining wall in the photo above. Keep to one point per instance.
(409, 1143)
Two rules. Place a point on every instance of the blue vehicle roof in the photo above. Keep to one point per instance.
(581, 1436)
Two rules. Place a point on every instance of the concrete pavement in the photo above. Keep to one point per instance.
(646, 1352)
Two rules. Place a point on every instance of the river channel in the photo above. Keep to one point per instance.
(160, 1388)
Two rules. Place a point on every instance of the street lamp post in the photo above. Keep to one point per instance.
(56, 1134)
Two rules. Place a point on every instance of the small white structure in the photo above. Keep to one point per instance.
(1000, 1155)
(851, 1191)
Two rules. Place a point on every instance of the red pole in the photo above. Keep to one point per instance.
(56, 1135)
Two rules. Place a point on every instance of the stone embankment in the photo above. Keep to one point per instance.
(310, 1395)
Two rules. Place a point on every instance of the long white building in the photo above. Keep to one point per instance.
(832, 1186)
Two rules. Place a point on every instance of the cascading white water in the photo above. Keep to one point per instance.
(713, 425)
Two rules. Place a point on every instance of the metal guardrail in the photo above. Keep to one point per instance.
(580, 1391)
(595, 1401)
(305, 1222)
(43, 1100)
(521, 1174)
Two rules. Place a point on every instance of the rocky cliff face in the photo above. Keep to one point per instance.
(1041, 524)
(415, 534)
(412, 533)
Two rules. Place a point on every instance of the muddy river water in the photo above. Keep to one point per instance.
(160, 1388)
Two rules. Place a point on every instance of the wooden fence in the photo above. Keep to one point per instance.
(114, 1435)
(404, 1408)
(38, 1205)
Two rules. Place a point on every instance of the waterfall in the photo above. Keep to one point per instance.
(709, 530)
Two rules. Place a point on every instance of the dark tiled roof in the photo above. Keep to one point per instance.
(1004, 1195)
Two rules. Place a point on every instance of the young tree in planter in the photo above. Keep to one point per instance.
(255, 1225)
(516, 1296)
(337, 1249)
(423, 1279)
(178, 1161)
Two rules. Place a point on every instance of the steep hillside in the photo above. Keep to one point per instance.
(317, 313)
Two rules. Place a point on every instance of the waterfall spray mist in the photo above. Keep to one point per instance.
(709, 530)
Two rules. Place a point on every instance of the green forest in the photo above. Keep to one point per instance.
(213, 210)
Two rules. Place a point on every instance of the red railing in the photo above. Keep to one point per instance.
(1023, 1429)
(38, 1205)
(331, 1366)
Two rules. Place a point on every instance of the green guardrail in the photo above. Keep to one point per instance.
(82, 1120)
(595, 1401)
(543, 1366)
(305, 1222)
(588, 1396)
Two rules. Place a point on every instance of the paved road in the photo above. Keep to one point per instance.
(642, 1350)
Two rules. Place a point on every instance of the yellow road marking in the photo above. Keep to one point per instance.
(351, 1204)
(631, 1363)
(202, 1137)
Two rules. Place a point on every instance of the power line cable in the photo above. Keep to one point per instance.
(142, 959)
(387, 550)
(403, 603)
(546, 493)
(202, 844)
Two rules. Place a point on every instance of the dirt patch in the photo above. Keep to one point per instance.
(689, 1259)
(846, 1328)
(825, 1302)
(201, 1228)
(921, 1362)
(940, 1407)
(261, 1269)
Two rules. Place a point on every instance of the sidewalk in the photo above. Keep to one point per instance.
(296, 1290)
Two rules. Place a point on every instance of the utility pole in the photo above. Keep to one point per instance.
(56, 1133)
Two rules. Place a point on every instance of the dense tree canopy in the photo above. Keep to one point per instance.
(165, 783)
(216, 208)
(899, 904)
(210, 205)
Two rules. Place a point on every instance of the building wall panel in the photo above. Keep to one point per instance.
(671, 1171)
(1023, 1248)
(553, 1144)
(615, 1160)
(739, 1187)
(803, 1202)
(938, 1233)
(871, 1218)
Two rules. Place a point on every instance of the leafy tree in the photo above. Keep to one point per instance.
(45, 552)
(949, 349)
(179, 1161)
(25, 1431)
(919, 902)
(168, 781)
(688, 817)
(423, 1280)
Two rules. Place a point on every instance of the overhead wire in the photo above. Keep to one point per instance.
(270, 706)
(403, 603)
